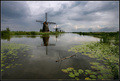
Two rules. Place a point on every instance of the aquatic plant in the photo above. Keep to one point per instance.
(108, 54)
(87, 74)
(102, 72)
(11, 52)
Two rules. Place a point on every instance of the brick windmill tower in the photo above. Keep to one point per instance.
(45, 24)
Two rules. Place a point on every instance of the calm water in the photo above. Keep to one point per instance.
(46, 51)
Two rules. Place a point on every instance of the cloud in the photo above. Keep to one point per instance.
(14, 15)
(14, 9)
(71, 16)
(109, 29)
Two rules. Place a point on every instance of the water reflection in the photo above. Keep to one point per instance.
(46, 42)
(57, 36)
(46, 49)
(31, 36)
(8, 37)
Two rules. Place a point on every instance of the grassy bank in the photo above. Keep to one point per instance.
(105, 37)
(7, 33)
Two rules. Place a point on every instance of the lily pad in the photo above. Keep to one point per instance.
(80, 71)
(2, 70)
(8, 67)
(87, 78)
(88, 71)
(71, 75)
(70, 69)
(76, 74)
(92, 76)
(94, 73)
(100, 77)
(65, 70)
(76, 78)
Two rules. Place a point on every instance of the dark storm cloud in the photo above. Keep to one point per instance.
(88, 17)
(77, 3)
(14, 9)
(14, 13)
(53, 13)
(89, 14)
(106, 6)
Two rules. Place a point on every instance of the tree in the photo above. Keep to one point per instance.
(7, 29)
(41, 30)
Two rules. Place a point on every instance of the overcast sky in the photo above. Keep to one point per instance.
(70, 16)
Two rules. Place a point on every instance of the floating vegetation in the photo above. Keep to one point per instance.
(106, 53)
(10, 53)
(89, 74)
(73, 73)
(76, 73)
(100, 51)
(87, 78)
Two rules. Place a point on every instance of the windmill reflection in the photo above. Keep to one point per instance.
(46, 42)
(57, 36)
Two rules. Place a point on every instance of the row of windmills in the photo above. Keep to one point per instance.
(46, 23)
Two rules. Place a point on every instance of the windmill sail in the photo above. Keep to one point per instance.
(51, 23)
(46, 16)
(39, 21)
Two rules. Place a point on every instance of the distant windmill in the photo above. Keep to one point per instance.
(56, 28)
(45, 24)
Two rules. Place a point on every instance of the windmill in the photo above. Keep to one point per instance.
(56, 28)
(45, 24)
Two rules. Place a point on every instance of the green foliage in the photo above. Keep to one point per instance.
(76, 73)
(88, 74)
(100, 77)
(92, 76)
(7, 35)
(80, 71)
(88, 71)
(105, 37)
(106, 51)
(70, 69)
(41, 30)
(101, 73)
(71, 75)
(76, 78)
(11, 52)
(8, 32)
(33, 33)
(87, 78)
(7, 29)
(5, 32)
(109, 54)
(65, 70)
